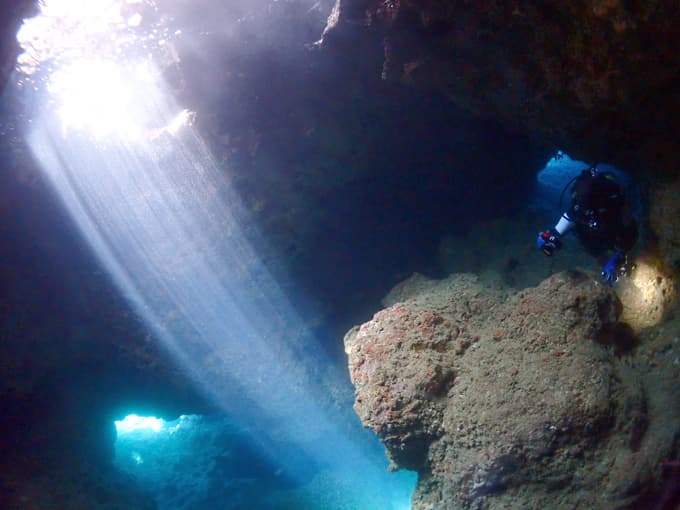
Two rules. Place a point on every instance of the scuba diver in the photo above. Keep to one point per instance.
(600, 216)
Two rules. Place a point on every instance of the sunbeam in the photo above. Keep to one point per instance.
(145, 193)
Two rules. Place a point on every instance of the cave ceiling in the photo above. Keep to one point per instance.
(597, 78)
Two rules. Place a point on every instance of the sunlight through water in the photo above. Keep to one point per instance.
(163, 220)
(133, 422)
(97, 97)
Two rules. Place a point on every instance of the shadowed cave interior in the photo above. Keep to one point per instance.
(198, 202)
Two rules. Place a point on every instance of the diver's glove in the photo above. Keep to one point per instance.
(610, 272)
(548, 242)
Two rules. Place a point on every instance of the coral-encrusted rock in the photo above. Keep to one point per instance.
(507, 402)
(664, 218)
(400, 365)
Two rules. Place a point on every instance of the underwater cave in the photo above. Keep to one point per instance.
(291, 254)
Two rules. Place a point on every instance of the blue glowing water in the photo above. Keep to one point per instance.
(197, 462)
(170, 232)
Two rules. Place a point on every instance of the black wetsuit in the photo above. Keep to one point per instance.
(601, 213)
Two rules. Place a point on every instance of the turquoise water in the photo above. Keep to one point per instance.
(197, 462)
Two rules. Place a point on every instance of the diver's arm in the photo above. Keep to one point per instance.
(564, 225)
(550, 241)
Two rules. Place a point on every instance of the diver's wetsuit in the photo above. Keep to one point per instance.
(600, 214)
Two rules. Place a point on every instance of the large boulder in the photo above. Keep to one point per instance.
(664, 219)
(521, 400)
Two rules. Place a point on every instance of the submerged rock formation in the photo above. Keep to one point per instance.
(664, 218)
(512, 400)
(597, 78)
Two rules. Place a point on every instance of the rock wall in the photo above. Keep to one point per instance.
(11, 15)
(664, 219)
(595, 78)
(512, 400)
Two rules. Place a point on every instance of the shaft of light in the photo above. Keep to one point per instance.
(170, 231)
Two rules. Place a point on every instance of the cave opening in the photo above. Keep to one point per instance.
(199, 461)
(553, 181)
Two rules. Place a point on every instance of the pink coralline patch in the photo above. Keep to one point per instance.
(391, 402)
(472, 387)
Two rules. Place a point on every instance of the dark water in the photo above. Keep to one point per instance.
(346, 185)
